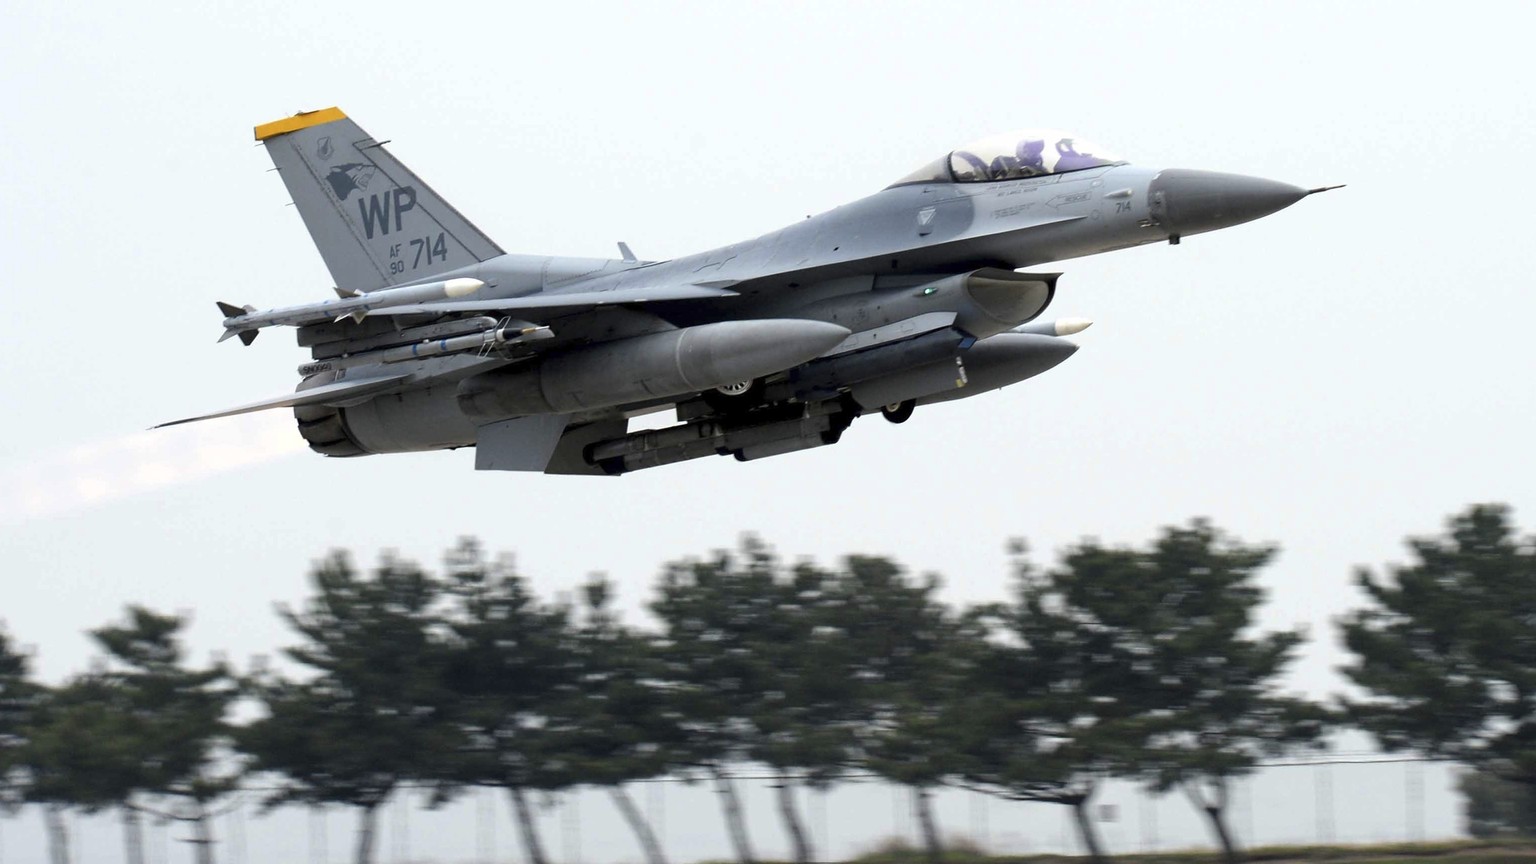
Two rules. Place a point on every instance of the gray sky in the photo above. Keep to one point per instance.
(1332, 378)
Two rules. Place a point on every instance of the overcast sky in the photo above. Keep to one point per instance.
(1331, 378)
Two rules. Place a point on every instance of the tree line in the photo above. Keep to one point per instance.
(1139, 663)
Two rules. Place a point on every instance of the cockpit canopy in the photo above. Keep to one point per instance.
(1011, 155)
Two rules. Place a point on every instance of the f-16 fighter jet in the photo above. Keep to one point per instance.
(915, 295)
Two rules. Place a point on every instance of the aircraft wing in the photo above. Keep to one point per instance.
(335, 393)
(576, 300)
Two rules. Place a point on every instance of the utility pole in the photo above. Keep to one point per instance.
(1324, 780)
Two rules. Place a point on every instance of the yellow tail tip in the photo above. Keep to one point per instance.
(301, 120)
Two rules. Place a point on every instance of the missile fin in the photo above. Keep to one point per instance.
(230, 310)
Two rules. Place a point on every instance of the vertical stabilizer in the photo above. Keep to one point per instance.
(375, 223)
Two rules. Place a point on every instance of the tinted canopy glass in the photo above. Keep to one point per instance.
(1012, 155)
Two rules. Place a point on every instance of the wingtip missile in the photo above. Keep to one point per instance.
(351, 304)
(1058, 327)
(1069, 326)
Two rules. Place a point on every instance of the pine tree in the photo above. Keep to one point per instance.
(508, 664)
(371, 716)
(1042, 716)
(910, 666)
(717, 616)
(174, 721)
(803, 719)
(80, 752)
(1447, 647)
(1167, 634)
(1497, 807)
(18, 697)
(615, 723)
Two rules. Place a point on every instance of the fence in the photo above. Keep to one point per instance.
(1344, 798)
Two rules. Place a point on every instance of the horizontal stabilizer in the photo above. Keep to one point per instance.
(577, 300)
(337, 392)
(519, 444)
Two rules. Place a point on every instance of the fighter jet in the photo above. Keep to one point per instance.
(918, 294)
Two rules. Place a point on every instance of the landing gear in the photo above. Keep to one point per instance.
(899, 412)
(735, 398)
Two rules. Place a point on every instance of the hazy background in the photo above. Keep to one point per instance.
(1331, 378)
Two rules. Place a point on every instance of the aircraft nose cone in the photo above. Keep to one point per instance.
(1191, 202)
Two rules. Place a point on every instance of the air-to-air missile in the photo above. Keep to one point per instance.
(908, 297)
(498, 336)
(246, 321)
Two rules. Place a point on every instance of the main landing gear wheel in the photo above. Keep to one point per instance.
(899, 412)
(735, 398)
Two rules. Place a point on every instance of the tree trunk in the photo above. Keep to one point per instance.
(367, 823)
(1085, 828)
(1216, 812)
(931, 842)
(133, 836)
(1218, 817)
(58, 834)
(532, 849)
(733, 818)
(797, 839)
(203, 834)
(637, 823)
